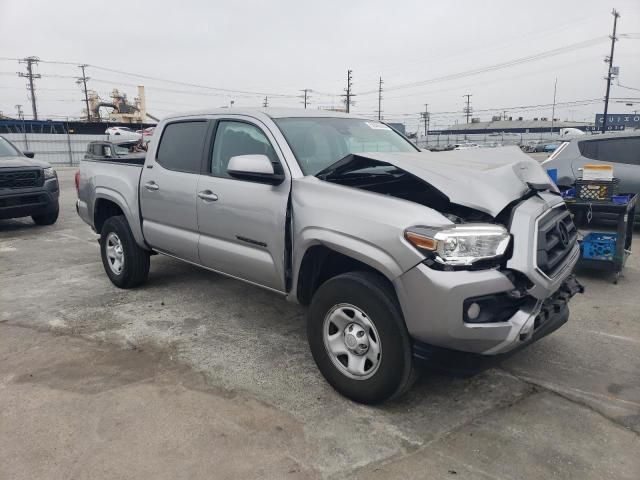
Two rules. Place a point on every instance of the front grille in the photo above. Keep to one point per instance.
(557, 236)
(22, 200)
(21, 179)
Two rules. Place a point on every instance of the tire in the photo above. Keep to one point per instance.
(46, 218)
(126, 264)
(372, 302)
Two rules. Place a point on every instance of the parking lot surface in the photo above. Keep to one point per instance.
(195, 375)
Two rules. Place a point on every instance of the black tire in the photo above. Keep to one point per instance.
(374, 296)
(135, 270)
(46, 218)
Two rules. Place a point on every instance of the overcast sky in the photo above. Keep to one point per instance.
(282, 46)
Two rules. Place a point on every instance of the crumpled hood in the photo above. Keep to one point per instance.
(485, 179)
(19, 161)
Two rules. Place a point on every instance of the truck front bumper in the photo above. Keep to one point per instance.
(16, 203)
(553, 314)
(436, 303)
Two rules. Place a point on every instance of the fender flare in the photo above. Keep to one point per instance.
(354, 247)
(130, 211)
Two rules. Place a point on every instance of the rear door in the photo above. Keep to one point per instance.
(168, 189)
(242, 231)
(623, 153)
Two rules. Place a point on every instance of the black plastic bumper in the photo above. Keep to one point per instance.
(554, 314)
(24, 203)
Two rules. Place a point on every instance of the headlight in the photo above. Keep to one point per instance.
(460, 245)
(49, 173)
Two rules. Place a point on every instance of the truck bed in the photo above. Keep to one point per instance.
(131, 159)
(114, 180)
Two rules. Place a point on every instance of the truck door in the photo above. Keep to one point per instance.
(168, 190)
(242, 223)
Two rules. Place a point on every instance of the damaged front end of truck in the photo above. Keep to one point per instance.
(478, 244)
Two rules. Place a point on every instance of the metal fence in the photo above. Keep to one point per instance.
(57, 149)
(491, 139)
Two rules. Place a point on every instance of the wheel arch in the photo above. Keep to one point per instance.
(109, 203)
(322, 260)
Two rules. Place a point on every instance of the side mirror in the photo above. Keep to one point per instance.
(29, 154)
(254, 168)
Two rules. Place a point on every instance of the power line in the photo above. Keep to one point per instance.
(176, 82)
(497, 66)
(31, 61)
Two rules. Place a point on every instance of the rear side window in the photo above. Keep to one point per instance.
(613, 150)
(181, 146)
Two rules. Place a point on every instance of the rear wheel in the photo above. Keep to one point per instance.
(46, 218)
(358, 338)
(126, 264)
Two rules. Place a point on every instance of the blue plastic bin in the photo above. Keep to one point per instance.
(599, 246)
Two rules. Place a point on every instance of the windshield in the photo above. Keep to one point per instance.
(6, 149)
(320, 142)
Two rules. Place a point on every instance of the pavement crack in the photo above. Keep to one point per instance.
(573, 399)
(501, 405)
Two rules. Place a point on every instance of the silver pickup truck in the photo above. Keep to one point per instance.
(404, 257)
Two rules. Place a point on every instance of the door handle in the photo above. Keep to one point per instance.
(152, 186)
(208, 196)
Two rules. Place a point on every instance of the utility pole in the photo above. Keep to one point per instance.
(265, 104)
(83, 80)
(553, 110)
(31, 61)
(305, 97)
(349, 94)
(24, 128)
(380, 99)
(467, 110)
(425, 117)
(610, 70)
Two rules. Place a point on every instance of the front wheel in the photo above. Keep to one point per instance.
(126, 264)
(358, 338)
(46, 218)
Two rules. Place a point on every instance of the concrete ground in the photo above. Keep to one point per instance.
(195, 375)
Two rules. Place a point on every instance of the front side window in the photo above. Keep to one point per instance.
(6, 149)
(320, 142)
(239, 138)
(613, 150)
(181, 146)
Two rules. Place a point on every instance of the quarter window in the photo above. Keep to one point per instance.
(613, 150)
(239, 138)
(181, 146)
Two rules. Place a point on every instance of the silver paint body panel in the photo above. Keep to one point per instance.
(242, 233)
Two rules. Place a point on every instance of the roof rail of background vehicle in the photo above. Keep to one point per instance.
(266, 112)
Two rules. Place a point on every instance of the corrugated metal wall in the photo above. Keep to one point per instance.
(55, 149)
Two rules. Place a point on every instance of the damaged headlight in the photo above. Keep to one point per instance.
(460, 245)
(49, 173)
